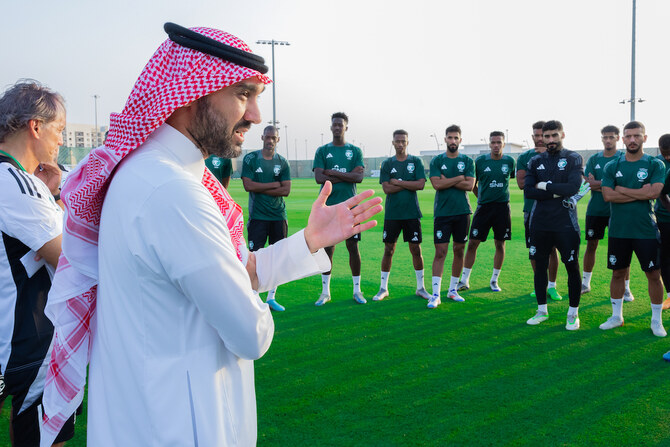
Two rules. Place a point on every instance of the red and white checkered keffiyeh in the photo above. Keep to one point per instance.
(175, 76)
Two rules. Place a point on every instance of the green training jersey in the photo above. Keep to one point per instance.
(522, 165)
(258, 169)
(493, 178)
(339, 158)
(595, 165)
(220, 167)
(662, 214)
(633, 220)
(402, 204)
(451, 201)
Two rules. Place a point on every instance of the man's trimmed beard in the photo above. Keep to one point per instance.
(554, 148)
(212, 133)
(453, 148)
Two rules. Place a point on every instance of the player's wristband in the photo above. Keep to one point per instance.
(542, 186)
(57, 196)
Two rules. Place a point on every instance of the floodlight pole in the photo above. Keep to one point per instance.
(274, 79)
(632, 69)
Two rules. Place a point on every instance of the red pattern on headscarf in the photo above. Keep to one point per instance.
(174, 77)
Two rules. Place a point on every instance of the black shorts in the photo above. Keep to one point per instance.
(26, 424)
(526, 228)
(664, 230)
(595, 227)
(494, 215)
(260, 231)
(446, 227)
(620, 251)
(411, 231)
(566, 242)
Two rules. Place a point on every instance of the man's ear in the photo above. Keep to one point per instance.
(34, 128)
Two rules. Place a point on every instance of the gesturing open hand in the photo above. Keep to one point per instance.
(328, 225)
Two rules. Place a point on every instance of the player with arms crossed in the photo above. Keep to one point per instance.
(401, 177)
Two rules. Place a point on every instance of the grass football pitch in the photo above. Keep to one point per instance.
(394, 373)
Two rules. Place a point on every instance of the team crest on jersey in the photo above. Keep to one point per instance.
(349, 154)
(532, 250)
(642, 174)
(612, 260)
(277, 169)
(438, 233)
(562, 163)
(504, 169)
(410, 167)
(590, 232)
(461, 166)
(216, 162)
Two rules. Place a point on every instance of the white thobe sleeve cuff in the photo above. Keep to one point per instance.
(288, 260)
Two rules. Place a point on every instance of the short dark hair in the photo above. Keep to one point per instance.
(610, 129)
(400, 132)
(453, 128)
(538, 125)
(24, 101)
(664, 141)
(270, 127)
(552, 125)
(634, 125)
(341, 115)
(497, 133)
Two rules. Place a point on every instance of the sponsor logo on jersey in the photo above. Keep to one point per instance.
(504, 169)
(642, 174)
(337, 168)
(329, 155)
(487, 169)
(460, 166)
(612, 260)
(618, 174)
(349, 154)
(438, 233)
(277, 169)
(540, 167)
(259, 169)
(216, 162)
(532, 250)
(393, 171)
(562, 163)
(410, 167)
(495, 184)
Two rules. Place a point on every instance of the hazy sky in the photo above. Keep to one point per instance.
(418, 65)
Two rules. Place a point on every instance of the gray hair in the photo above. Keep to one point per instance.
(24, 101)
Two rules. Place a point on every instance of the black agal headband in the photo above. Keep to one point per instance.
(196, 41)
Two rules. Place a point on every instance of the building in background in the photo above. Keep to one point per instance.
(83, 135)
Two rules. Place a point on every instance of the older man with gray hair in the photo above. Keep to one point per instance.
(32, 119)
